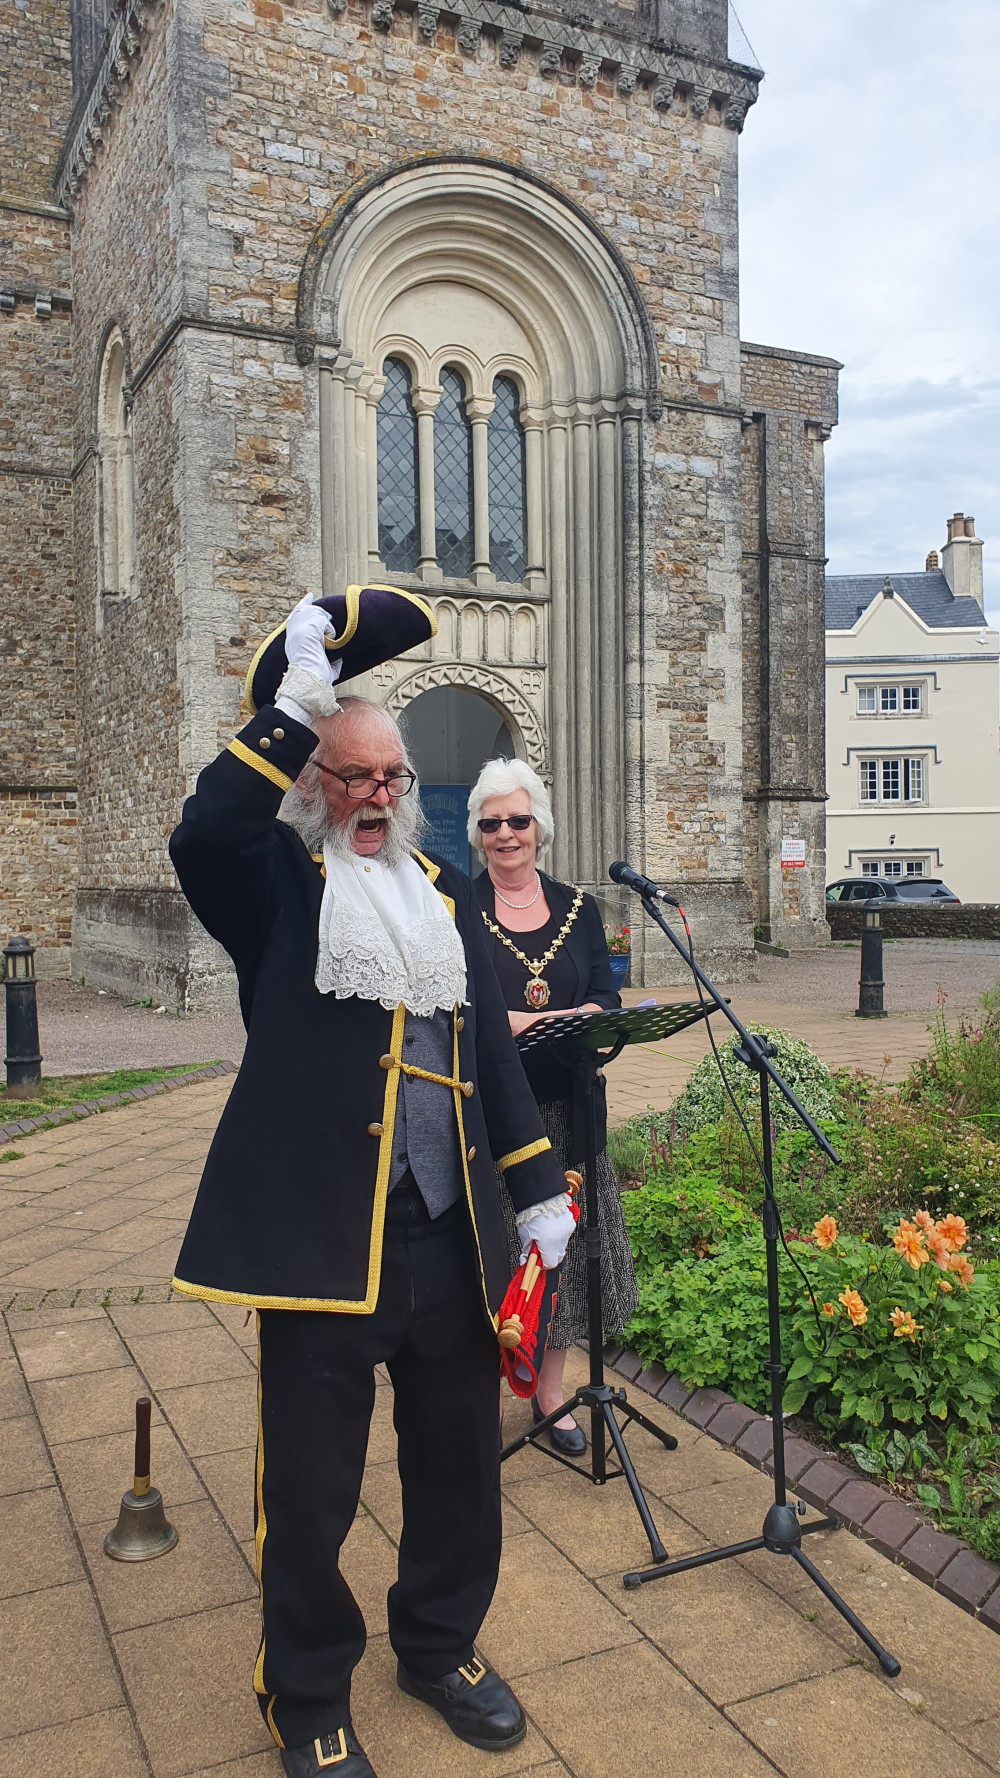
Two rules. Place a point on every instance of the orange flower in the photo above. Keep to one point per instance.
(828, 1308)
(925, 1220)
(943, 1284)
(964, 1269)
(941, 1252)
(854, 1306)
(909, 1241)
(951, 1230)
(904, 1324)
(825, 1232)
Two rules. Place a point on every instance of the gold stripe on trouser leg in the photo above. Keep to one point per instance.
(258, 1673)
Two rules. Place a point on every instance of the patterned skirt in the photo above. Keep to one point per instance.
(618, 1289)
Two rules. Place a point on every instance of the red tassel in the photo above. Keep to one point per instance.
(517, 1322)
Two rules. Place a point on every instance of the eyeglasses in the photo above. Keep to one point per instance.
(493, 823)
(360, 788)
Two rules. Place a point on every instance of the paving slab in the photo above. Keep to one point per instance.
(629, 1713)
(37, 1547)
(99, 1746)
(543, 1603)
(63, 1667)
(189, 1687)
(209, 1417)
(94, 1473)
(206, 1569)
(850, 1721)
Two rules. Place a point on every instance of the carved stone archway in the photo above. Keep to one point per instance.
(526, 730)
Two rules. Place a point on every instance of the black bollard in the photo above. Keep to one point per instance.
(23, 1060)
(871, 987)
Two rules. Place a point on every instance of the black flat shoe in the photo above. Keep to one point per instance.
(338, 1753)
(571, 1444)
(475, 1702)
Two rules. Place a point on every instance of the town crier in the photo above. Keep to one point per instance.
(349, 1195)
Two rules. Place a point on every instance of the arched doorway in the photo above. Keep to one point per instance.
(450, 732)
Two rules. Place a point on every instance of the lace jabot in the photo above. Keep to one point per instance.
(387, 935)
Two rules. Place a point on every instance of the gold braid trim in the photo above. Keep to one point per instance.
(465, 1087)
(523, 1154)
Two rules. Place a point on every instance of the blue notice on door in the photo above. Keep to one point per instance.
(446, 807)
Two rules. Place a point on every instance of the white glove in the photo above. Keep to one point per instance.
(549, 1225)
(306, 690)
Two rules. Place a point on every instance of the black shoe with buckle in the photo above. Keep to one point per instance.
(475, 1702)
(339, 1753)
(571, 1441)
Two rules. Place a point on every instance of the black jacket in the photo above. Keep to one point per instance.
(586, 947)
(290, 1210)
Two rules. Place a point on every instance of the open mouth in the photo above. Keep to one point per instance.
(374, 825)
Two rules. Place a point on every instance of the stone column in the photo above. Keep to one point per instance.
(560, 676)
(581, 656)
(479, 408)
(424, 402)
(534, 495)
(608, 737)
(376, 567)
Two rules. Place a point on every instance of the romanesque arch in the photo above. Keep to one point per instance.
(454, 267)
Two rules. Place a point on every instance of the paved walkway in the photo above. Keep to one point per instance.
(114, 1671)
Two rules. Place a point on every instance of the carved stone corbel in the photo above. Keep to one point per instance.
(550, 60)
(736, 113)
(663, 92)
(427, 22)
(589, 69)
(382, 15)
(700, 100)
(510, 48)
(627, 78)
(469, 33)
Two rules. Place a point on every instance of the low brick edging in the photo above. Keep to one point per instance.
(881, 1518)
(67, 1114)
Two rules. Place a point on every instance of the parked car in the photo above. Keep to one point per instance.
(890, 889)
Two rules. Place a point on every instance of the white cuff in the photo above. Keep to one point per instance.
(309, 694)
(549, 1207)
(292, 709)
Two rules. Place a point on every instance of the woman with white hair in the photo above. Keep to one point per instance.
(550, 955)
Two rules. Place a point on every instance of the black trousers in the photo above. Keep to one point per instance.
(317, 1391)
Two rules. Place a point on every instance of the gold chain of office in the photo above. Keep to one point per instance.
(537, 992)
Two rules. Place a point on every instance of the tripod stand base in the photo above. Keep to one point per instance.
(782, 1535)
(603, 1403)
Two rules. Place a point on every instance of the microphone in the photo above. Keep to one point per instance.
(620, 872)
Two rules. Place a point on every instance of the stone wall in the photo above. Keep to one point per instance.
(918, 920)
(229, 152)
(790, 400)
(37, 709)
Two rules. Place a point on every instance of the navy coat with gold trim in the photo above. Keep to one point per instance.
(291, 1206)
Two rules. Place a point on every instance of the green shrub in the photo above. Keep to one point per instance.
(682, 1210)
(707, 1319)
(961, 1070)
(904, 1153)
(627, 1149)
(705, 1101)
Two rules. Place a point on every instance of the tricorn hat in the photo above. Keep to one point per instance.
(371, 624)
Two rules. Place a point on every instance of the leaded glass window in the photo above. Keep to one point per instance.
(398, 489)
(508, 504)
(453, 478)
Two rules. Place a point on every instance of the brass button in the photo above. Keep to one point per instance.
(278, 733)
(472, 1153)
(264, 743)
(468, 1089)
(387, 1062)
(460, 1023)
(374, 1129)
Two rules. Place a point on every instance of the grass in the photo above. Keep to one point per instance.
(59, 1092)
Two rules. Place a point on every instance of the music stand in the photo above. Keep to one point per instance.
(586, 1042)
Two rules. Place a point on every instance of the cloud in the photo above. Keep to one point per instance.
(870, 205)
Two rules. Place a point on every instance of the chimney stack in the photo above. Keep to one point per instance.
(931, 564)
(962, 559)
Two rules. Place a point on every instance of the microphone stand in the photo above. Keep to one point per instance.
(782, 1533)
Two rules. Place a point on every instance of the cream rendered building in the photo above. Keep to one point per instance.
(913, 723)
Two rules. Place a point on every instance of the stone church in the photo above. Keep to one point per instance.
(296, 293)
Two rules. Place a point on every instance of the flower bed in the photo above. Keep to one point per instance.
(891, 1302)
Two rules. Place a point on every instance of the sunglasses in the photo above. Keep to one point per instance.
(493, 823)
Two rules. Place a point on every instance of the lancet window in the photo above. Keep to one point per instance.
(460, 486)
(115, 484)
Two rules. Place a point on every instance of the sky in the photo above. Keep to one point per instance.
(869, 213)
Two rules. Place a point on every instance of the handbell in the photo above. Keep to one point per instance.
(142, 1531)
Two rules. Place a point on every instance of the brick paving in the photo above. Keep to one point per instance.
(143, 1672)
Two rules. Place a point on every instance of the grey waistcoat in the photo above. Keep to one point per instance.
(425, 1135)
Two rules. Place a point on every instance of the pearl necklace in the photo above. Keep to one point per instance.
(520, 907)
